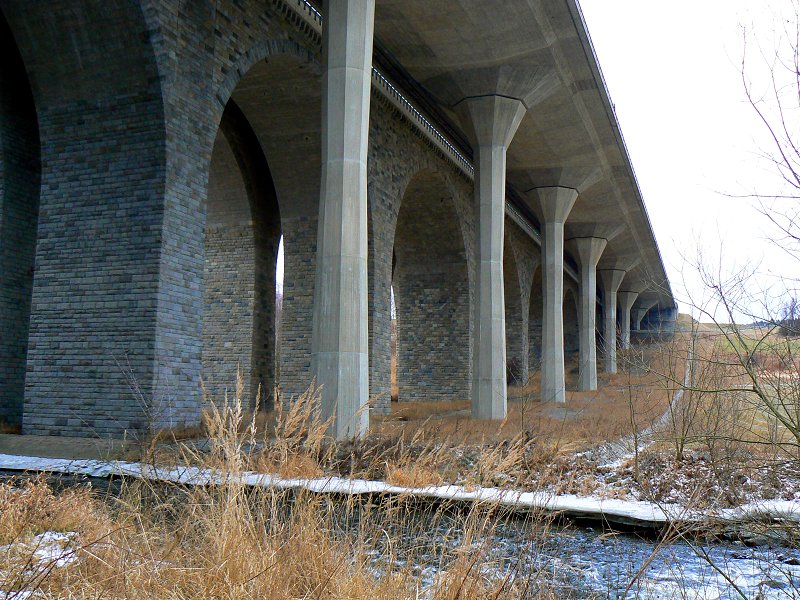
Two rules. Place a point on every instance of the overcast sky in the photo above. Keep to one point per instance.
(673, 70)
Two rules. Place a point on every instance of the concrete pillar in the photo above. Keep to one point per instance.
(555, 204)
(626, 300)
(340, 346)
(588, 251)
(610, 279)
(494, 121)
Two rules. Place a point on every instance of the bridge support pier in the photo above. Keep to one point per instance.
(626, 300)
(588, 251)
(494, 122)
(610, 279)
(556, 204)
(340, 344)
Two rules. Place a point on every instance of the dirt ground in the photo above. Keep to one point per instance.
(634, 397)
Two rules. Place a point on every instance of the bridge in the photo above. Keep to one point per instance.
(461, 156)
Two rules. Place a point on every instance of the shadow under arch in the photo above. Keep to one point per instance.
(571, 332)
(431, 288)
(273, 95)
(535, 316)
(242, 235)
(20, 180)
(516, 339)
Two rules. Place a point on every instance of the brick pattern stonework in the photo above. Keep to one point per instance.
(520, 261)
(300, 248)
(155, 253)
(535, 315)
(19, 207)
(421, 240)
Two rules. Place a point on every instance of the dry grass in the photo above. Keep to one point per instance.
(227, 541)
(587, 419)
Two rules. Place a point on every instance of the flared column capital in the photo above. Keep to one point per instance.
(588, 250)
(493, 120)
(554, 202)
(611, 279)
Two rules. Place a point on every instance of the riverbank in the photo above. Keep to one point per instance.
(608, 511)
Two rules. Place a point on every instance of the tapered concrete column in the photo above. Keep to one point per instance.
(340, 346)
(626, 300)
(555, 204)
(610, 280)
(588, 251)
(494, 122)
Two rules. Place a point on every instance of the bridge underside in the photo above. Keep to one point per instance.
(155, 155)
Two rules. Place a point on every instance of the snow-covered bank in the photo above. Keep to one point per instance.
(624, 512)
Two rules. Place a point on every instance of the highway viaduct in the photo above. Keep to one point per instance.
(153, 153)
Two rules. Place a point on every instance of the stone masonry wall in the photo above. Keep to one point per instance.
(300, 247)
(432, 301)
(93, 308)
(523, 263)
(228, 279)
(535, 315)
(19, 207)
(129, 99)
(408, 180)
(516, 331)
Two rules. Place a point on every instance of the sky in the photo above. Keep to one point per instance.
(673, 70)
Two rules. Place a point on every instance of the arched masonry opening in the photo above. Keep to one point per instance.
(242, 236)
(516, 337)
(431, 287)
(535, 315)
(572, 341)
(280, 98)
(20, 178)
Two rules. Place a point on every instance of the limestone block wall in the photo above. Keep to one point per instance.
(129, 98)
(19, 207)
(520, 261)
(535, 316)
(242, 235)
(421, 239)
(300, 248)
(433, 307)
(94, 296)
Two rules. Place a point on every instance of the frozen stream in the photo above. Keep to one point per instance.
(579, 561)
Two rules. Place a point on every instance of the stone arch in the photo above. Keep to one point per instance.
(110, 290)
(571, 329)
(516, 330)
(242, 234)
(276, 86)
(525, 257)
(396, 157)
(20, 176)
(431, 285)
(535, 316)
(259, 52)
